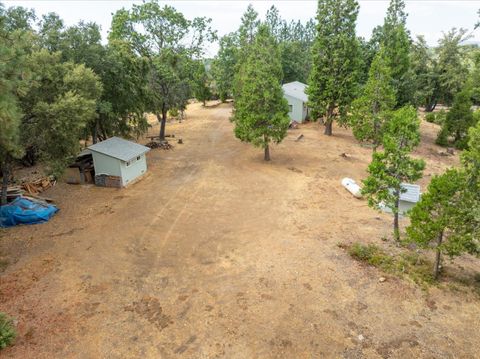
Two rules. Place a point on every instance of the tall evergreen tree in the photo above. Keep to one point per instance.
(424, 75)
(458, 120)
(261, 112)
(370, 112)
(396, 41)
(224, 65)
(393, 166)
(13, 63)
(452, 70)
(433, 220)
(334, 76)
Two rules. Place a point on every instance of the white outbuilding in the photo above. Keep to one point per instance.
(295, 94)
(118, 162)
(409, 196)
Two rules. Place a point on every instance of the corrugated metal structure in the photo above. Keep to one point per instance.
(297, 99)
(409, 196)
(118, 162)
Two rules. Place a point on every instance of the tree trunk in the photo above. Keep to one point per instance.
(329, 120)
(163, 122)
(267, 153)
(6, 174)
(396, 226)
(95, 133)
(430, 106)
(267, 148)
(436, 270)
(328, 127)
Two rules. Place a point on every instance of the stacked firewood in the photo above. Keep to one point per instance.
(31, 189)
(164, 145)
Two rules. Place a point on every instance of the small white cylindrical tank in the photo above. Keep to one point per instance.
(352, 187)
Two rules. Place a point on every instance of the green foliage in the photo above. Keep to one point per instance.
(430, 117)
(458, 120)
(7, 331)
(201, 82)
(475, 78)
(395, 39)
(294, 42)
(433, 215)
(334, 77)
(452, 70)
(393, 165)
(60, 101)
(261, 112)
(371, 254)
(12, 67)
(410, 265)
(447, 218)
(169, 43)
(424, 70)
(371, 111)
(223, 66)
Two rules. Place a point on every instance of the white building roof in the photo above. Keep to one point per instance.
(119, 148)
(412, 193)
(296, 89)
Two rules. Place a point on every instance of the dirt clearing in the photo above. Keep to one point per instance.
(216, 254)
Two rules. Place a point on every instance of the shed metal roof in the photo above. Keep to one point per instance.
(296, 89)
(412, 193)
(119, 148)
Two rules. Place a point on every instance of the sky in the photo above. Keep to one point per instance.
(426, 17)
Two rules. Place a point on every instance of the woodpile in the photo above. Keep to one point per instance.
(164, 145)
(30, 190)
(39, 185)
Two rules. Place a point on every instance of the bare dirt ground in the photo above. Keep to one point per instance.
(216, 254)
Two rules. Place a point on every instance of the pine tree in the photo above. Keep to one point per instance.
(333, 80)
(371, 111)
(447, 217)
(223, 66)
(261, 112)
(459, 119)
(13, 71)
(396, 41)
(432, 220)
(393, 166)
(424, 75)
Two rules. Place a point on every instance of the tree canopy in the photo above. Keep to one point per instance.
(260, 112)
(334, 76)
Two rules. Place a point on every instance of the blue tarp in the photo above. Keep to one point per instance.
(24, 211)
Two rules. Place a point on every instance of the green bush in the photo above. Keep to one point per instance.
(7, 331)
(371, 254)
(440, 117)
(442, 138)
(430, 117)
(173, 112)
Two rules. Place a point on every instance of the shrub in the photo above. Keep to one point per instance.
(371, 254)
(440, 117)
(442, 138)
(7, 331)
(173, 112)
(430, 117)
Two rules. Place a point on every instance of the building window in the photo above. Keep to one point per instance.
(290, 108)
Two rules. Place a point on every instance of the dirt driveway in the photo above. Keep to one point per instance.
(216, 254)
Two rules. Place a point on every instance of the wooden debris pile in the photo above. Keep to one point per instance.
(164, 145)
(39, 185)
(30, 190)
